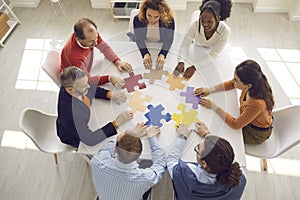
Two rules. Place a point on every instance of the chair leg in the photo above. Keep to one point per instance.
(264, 164)
(55, 159)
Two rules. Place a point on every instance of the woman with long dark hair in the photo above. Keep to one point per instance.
(256, 102)
(215, 175)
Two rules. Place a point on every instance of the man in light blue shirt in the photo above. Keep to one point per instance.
(116, 173)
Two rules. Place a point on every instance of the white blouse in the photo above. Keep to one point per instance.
(216, 43)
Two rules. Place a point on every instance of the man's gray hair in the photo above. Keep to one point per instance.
(70, 74)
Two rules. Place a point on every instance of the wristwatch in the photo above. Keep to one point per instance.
(182, 136)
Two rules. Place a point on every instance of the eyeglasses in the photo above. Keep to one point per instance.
(196, 149)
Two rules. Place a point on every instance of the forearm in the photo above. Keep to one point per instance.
(175, 154)
(158, 154)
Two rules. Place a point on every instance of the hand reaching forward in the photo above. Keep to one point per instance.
(179, 69)
(152, 131)
(189, 72)
(122, 65)
(208, 104)
(182, 129)
(147, 61)
(202, 129)
(116, 81)
(118, 97)
(123, 117)
(139, 130)
(160, 61)
(202, 92)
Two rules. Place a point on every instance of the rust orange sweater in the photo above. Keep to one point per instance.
(252, 111)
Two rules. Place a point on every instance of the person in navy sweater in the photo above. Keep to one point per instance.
(154, 23)
(215, 175)
(74, 101)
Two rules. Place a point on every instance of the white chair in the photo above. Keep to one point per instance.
(194, 17)
(52, 66)
(41, 129)
(60, 5)
(130, 32)
(133, 13)
(285, 135)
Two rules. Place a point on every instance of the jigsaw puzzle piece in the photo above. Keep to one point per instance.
(132, 81)
(136, 102)
(154, 74)
(154, 115)
(190, 97)
(184, 117)
(175, 82)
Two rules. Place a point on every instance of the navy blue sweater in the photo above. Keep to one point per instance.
(73, 117)
(187, 186)
(166, 36)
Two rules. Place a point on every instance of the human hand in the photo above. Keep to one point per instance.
(208, 104)
(202, 129)
(122, 65)
(139, 130)
(152, 131)
(202, 92)
(189, 72)
(116, 81)
(118, 97)
(147, 61)
(179, 69)
(182, 129)
(123, 117)
(160, 61)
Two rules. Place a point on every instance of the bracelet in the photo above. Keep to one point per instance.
(114, 123)
(206, 134)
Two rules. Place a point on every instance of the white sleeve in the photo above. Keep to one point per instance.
(187, 41)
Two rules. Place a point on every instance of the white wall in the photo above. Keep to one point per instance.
(25, 3)
(292, 7)
(294, 13)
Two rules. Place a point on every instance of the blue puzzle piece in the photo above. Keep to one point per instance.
(190, 97)
(154, 115)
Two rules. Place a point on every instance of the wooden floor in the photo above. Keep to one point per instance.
(28, 174)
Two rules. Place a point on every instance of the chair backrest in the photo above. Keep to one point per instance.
(52, 66)
(194, 17)
(133, 13)
(285, 135)
(41, 129)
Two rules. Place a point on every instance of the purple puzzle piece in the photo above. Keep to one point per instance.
(190, 97)
(154, 115)
(132, 81)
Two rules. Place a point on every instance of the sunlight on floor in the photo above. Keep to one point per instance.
(31, 76)
(17, 139)
(285, 65)
(280, 166)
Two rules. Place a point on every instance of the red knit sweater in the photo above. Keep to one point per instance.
(74, 55)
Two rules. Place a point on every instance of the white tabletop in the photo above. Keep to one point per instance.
(212, 73)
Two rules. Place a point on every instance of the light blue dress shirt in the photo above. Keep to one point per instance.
(114, 180)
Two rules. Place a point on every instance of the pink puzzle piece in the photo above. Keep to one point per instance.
(132, 81)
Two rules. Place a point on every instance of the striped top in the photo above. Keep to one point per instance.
(114, 180)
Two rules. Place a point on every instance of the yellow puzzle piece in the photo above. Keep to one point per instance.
(186, 118)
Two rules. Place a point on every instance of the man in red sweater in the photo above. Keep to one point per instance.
(79, 52)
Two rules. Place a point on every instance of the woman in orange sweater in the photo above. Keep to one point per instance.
(256, 102)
